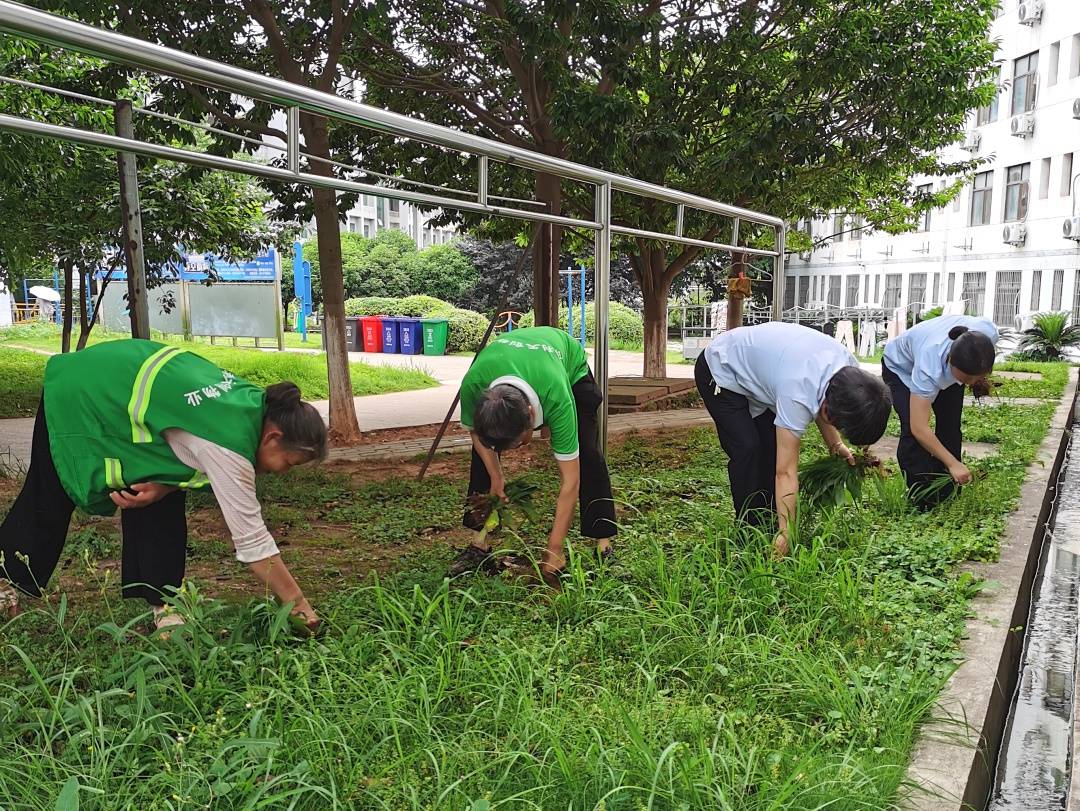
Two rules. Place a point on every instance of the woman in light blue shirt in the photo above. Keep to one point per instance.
(926, 369)
(763, 386)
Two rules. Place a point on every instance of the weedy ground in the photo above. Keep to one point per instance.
(698, 672)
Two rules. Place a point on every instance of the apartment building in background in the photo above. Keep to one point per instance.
(1009, 245)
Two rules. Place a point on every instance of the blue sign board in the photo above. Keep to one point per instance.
(262, 268)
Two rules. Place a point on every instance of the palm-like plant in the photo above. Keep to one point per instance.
(1050, 336)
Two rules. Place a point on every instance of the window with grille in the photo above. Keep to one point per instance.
(804, 290)
(917, 289)
(1017, 179)
(892, 290)
(857, 225)
(838, 227)
(852, 296)
(1036, 289)
(789, 291)
(1076, 299)
(974, 293)
(1006, 297)
(1025, 72)
(834, 291)
(925, 191)
(935, 289)
(1055, 294)
(877, 288)
(982, 197)
(952, 287)
(866, 288)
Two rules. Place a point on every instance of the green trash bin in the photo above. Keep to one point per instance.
(436, 331)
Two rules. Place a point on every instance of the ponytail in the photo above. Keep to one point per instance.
(302, 427)
(972, 352)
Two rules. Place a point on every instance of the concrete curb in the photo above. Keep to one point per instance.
(952, 766)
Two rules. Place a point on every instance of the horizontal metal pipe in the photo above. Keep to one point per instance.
(701, 243)
(23, 21)
(170, 153)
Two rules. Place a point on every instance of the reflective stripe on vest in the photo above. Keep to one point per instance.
(140, 392)
(114, 475)
(196, 481)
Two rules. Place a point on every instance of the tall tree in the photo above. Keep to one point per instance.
(792, 107)
(300, 41)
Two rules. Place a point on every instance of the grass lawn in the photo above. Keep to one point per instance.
(698, 673)
(21, 371)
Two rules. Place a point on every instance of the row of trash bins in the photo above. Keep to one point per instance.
(403, 336)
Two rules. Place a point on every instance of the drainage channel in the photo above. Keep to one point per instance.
(1035, 760)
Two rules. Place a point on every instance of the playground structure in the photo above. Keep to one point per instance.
(21, 21)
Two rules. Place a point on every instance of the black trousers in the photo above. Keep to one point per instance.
(596, 502)
(749, 442)
(33, 534)
(919, 466)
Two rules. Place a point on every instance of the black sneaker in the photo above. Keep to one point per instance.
(472, 559)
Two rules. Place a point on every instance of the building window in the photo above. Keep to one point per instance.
(952, 287)
(367, 230)
(982, 198)
(1055, 292)
(893, 282)
(1044, 179)
(974, 293)
(925, 191)
(1074, 63)
(1007, 297)
(851, 297)
(1025, 71)
(877, 288)
(804, 290)
(1036, 290)
(838, 227)
(369, 201)
(935, 289)
(354, 224)
(866, 288)
(1016, 192)
(1076, 299)
(857, 225)
(1055, 61)
(395, 205)
(917, 289)
(1066, 175)
(790, 289)
(834, 291)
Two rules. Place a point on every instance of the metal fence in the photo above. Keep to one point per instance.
(25, 22)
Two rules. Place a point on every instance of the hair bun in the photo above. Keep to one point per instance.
(957, 331)
(284, 395)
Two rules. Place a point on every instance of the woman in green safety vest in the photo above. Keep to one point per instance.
(136, 424)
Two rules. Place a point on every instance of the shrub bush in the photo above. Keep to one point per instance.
(625, 326)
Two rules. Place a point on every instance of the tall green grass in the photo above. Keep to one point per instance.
(699, 673)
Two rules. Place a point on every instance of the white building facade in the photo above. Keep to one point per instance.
(373, 214)
(1003, 247)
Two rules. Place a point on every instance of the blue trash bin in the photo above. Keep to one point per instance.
(410, 336)
(390, 335)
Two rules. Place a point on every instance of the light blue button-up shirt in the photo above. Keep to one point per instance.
(920, 356)
(783, 368)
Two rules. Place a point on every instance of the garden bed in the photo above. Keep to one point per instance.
(698, 673)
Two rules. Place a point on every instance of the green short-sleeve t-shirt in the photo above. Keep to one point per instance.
(544, 363)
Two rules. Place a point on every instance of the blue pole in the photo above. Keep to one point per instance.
(582, 306)
(298, 288)
(56, 287)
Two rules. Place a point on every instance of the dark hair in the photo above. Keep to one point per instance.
(859, 405)
(501, 416)
(972, 352)
(302, 426)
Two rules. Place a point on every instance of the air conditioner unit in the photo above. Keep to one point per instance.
(1076, 108)
(1030, 12)
(1070, 229)
(1023, 126)
(1014, 234)
(972, 141)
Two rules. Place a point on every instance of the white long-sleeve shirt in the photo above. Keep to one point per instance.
(232, 478)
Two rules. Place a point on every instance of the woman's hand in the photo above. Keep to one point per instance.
(145, 494)
(498, 488)
(960, 473)
(843, 451)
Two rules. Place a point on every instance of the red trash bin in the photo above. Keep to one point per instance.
(371, 329)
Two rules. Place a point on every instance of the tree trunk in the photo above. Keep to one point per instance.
(65, 340)
(655, 290)
(343, 425)
(735, 303)
(546, 252)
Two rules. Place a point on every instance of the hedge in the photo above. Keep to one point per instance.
(467, 328)
(624, 325)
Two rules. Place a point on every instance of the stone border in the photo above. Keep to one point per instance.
(952, 766)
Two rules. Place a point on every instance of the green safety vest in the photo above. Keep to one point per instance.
(107, 406)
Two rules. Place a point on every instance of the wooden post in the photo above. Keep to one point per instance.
(131, 219)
